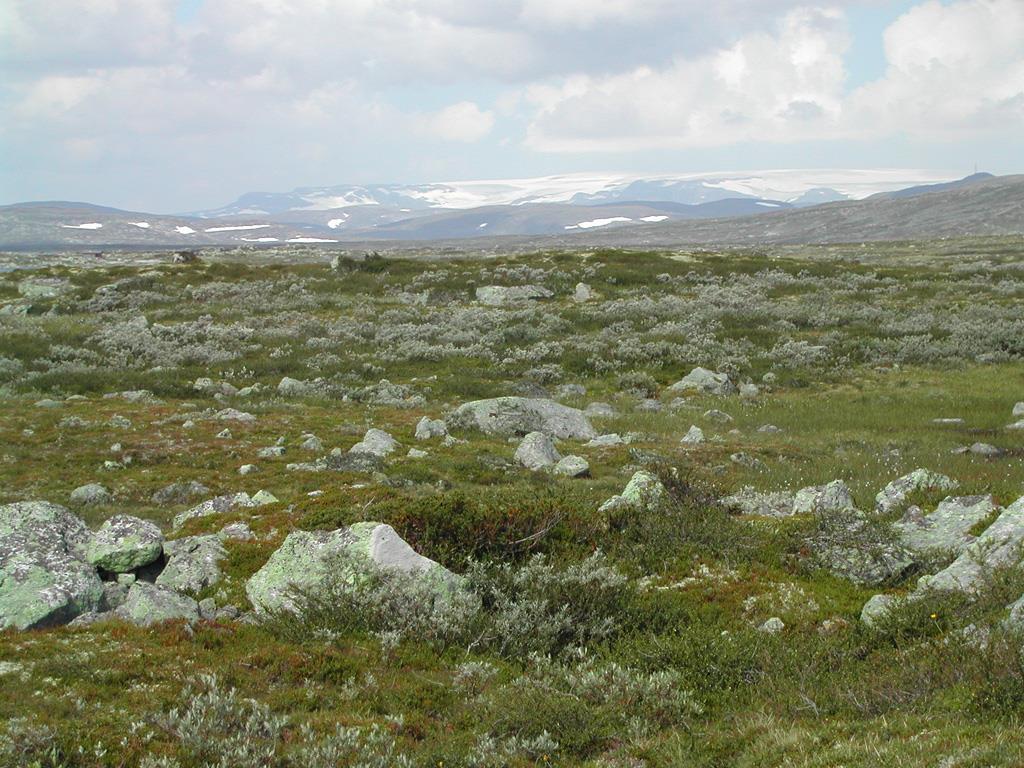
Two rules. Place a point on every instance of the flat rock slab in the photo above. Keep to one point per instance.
(948, 527)
(44, 577)
(999, 545)
(896, 493)
(522, 415)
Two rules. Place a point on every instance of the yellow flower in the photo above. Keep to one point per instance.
(935, 615)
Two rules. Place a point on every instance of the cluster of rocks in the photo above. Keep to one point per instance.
(54, 571)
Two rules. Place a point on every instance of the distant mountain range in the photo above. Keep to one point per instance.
(772, 206)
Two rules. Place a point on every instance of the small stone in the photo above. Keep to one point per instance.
(428, 428)
(262, 498)
(224, 434)
(416, 453)
(583, 293)
(769, 429)
(600, 410)
(749, 391)
(1018, 409)
(948, 422)
(606, 441)
(313, 444)
(536, 451)
(248, 469)
(985, 450)
(772, 626)
(572, 466)
(693, 436)
(208, 609)
(716, 415)
(239, 531)
(876, 608)
(271, 452)
(895, 494)
(376, 442)
(704, 381)
(91, 495)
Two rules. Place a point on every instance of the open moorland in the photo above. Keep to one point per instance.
(586, 508)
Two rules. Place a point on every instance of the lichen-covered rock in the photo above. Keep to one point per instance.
(193, 563)
(1018, 409)
(312, 562)
(821, 499)
(947, 528)
(644, 491)
(537, 451)
(704, 381)
(215, 506)
(693, 436)
(90, 495)
(522, 415)
(998, 545)
(124, 543)
(497, 295)
(877, 608)
(44, 577)
(583, 293)
(428, 428)
(148, 604)
(375, 442)
(858, 549)
(895, 494)
(289, 387)
(748, 501)
(572, 466)
(180, 492)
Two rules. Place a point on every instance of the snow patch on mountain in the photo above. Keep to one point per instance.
(90, 225)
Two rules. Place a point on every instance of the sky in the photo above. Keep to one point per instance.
(179, 105)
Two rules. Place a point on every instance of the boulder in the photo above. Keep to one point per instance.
(44, 577)
(877, 608)
(376, 442)
(704, 381)
(316, 562)
(583, 293)
(822, 499)
(998, 545)
(572, 466)
(215, 506)
(895, 494)
(693, 436)
(858, 549)
(262, 498)
(947, 528)
(747, 501)
(644, 491)
(428, 428)
(91, 495)
(289, 387)
(313, 444)
(537, 451)
(498, 295)
(124, 543)
(193, 563)
(179, 493)
(148, 604)
(522, 415)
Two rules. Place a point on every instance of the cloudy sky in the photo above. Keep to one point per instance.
(176, 105)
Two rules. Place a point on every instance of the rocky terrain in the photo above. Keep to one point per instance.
(603, 508)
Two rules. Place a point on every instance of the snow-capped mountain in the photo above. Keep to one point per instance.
(797, 187)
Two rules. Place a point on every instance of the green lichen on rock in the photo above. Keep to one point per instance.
(124, 543)
(314, 562)
(44, 578)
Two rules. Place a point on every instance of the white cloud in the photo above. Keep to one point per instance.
(952, 68)
(464, 121)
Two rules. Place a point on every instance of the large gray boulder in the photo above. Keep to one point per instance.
(44, 577)
(497, 295)
(376, 442)
(428, 428)
(522, 415)
(999, 545)
(180, 492)
(316, 562)
(947, 529)
(896, 493)
(193, 563)
(537, 451)
(124, 543)
(572, 466)
(148, 604)
(704, 381)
